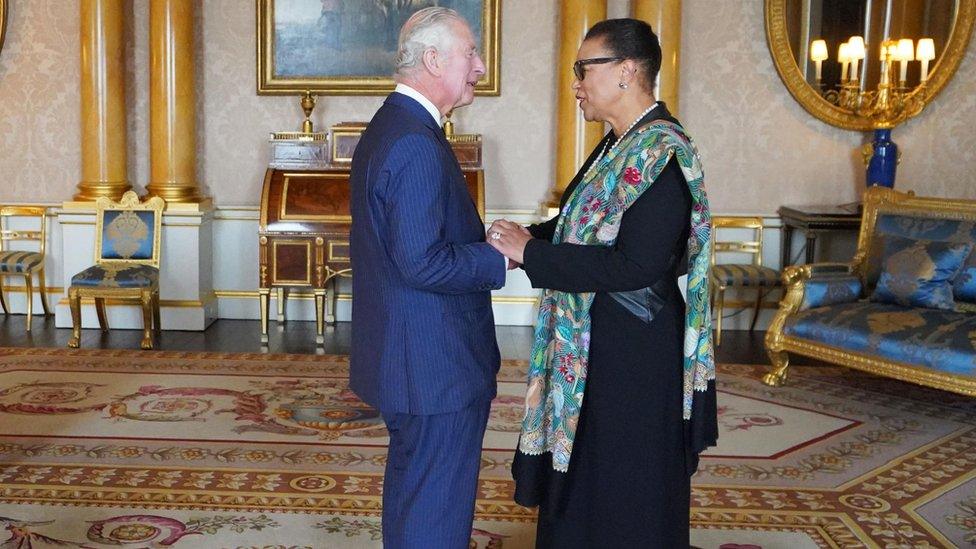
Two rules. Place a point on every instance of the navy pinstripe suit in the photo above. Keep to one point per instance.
(423, 340)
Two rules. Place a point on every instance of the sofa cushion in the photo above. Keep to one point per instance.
(919, 273)
(926, 228)
(830, 289)
(964, 287)
(937, 339)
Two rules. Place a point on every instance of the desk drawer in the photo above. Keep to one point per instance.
(291, 261)
(337, 251)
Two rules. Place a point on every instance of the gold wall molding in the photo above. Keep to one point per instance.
(176, 303)
(51, 290)
(110, 302)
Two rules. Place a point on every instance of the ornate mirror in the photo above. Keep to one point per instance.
(865, 64)
(3, 21)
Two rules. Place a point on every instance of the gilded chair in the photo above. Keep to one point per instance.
(127, 243)
(752, 275)
(22, 262)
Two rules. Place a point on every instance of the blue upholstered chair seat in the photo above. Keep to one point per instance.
(937, 339)
(19, 262)
(134, 276)
(745, 275)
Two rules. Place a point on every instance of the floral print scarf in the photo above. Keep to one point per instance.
(592, 216)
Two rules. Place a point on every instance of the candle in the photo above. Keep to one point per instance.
(855, 49)
(906, 53)
(925, 53)
(818, 54)
(844, 57)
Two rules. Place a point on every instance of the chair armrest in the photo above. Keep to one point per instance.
(820, 284)
(815, 280)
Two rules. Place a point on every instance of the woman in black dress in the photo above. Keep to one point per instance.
(614, 382)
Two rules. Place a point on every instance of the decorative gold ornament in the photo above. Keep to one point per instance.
(308, 105)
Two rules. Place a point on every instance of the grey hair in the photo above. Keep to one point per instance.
(427, 28)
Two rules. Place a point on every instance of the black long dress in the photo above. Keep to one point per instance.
(628, 483)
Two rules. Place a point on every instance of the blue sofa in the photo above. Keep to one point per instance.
(825, 312)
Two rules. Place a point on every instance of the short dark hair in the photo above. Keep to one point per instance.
(631, 39)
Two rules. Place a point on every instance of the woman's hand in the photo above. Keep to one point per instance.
(509, 239)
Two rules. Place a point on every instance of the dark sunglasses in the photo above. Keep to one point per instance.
(578, 66)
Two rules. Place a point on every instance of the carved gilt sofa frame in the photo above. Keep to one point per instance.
(799, 279)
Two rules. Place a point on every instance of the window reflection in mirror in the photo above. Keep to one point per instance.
(836, 21)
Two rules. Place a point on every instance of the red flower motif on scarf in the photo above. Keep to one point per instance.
(632, 175)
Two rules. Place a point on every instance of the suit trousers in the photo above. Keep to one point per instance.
(431, 478)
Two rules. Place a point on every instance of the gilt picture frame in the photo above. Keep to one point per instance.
(3, 22)
(331, 47)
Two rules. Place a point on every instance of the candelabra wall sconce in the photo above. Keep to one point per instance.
(892, 59)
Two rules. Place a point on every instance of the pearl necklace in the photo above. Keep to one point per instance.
(608, 149)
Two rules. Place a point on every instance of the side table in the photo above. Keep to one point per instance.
(814, 220)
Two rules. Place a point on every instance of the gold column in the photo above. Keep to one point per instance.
(172, 104)
(664, 16)
(103, 129)
(575, 137)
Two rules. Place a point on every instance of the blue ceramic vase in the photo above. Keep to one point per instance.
(884, 161)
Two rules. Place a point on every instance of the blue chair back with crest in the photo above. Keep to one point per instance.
(129, 230)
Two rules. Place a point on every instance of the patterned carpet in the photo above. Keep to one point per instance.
(128, 449)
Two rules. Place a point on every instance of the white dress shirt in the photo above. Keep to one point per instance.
(419, 98)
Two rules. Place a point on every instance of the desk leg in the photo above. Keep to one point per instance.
(319, 314)
(787, 246)
(811, 246)
(281, 304)
(330, 301)
(264, 295)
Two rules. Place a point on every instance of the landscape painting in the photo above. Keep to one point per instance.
(337, 47)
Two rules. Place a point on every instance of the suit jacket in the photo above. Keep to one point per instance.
(423, 333)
